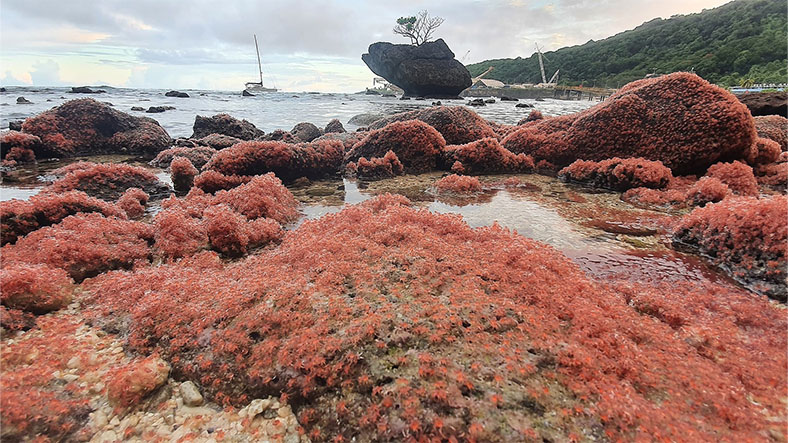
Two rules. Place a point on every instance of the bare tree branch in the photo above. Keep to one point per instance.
(419, 28)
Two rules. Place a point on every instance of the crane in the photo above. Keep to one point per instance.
(554, 78)
(465, 56)
(483, 73)
(541, 63)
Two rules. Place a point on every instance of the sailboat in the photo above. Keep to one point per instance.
(255, 87)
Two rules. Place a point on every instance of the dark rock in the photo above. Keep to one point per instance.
(87, 127)
(334, 126)
(227, 125)
(365, 119)
(766, 103)
(85, 90)
(539, 99)
(437, 103)
(178, 94)
(157, 109)
(523, 105)
(420, 99)
(246, 93)
(2, 89)
(15, 125)
(388, 95)
(371, 92)
(306, 132)
(404, 97)
(427, 70)
(281, 135)
(490, 100)
(23, 101)
(219, 141)
(137, 108)
(509, 99)
(475, 102)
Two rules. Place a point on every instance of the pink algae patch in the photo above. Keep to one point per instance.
(19, 218)
(746, 236)
(132, 202)
(213, 181)
(486, 156)
(198, 156)
(737, 176)
(108, 181)
(416, 144)
(377, 167)
(773, 127)
(458, 184)
(379, 319)
(618, 174)
(456, 124)
(84, 245)
(34, 288)
(183, 172)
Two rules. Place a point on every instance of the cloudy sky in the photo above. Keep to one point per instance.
(313, 45)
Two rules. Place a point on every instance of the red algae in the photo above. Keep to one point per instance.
(288, 161)
(486, 156)
(376, 167)
(34, 288)
(458, 184)
(745, 236)
(132, 202)
(679, 119)
(378, 322)
(773, 127)
(19, 218)
(707, 190)
(108, 181)
(737, 176)
(457, 124)
(10, 140)
(182, 172)
(198, 156)
(88, 127)
(20, 155)
(416, 144)
(84, 245)
(130, 383)
(618, 174)
(212, 181)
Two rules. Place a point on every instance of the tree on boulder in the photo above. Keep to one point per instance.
(417, 29)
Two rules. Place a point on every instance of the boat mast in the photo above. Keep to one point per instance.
(259, 65)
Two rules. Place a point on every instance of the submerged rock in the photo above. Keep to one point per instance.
(226, 125)
(23, 101)
(87, 127)
(428, 70)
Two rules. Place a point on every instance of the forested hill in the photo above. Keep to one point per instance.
(744, 40)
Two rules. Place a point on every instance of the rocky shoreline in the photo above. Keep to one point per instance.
(214, 318)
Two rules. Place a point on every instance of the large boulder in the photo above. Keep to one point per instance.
(766, 103)
(227, 125)
(457, 124)
(88, 127)
(679, 119)
(427, 70)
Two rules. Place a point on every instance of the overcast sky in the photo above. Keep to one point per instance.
(305, 45)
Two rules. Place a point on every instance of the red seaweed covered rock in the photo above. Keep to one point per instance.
(34, 288)
(198, 156)
(132, 202)
(15, 139)
(416, 144)
(225, 124)
(212, 181)
(21, 217)
(305, 132)
(533, 116)
(679, 119)
(618, 174)
(457, 124)
(458, 184)
(108, 181)
(773, 127)
(745, 236)
(382, 321)
(707, 190)
(773, 175)
(376, 167)
(84, 245)
(182, 172)
(763, 152)
(737, 176)
(19, 156)
(334, 126)
(88, 127)
(288, 161)
(486, 156)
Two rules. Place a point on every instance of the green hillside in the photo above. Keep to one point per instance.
(745, 40)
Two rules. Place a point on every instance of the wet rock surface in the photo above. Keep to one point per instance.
(226, 125)
(766, 103)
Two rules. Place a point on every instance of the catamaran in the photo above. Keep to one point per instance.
(256, 87)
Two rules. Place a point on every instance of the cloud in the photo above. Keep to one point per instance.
(46, 73)
(203, 33)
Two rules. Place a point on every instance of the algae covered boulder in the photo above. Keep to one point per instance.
(679, 119)
(88, 127)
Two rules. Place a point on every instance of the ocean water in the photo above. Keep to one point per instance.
(270, 111)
